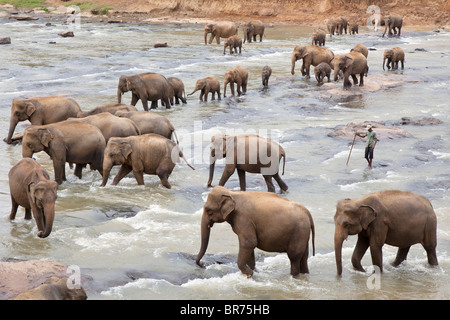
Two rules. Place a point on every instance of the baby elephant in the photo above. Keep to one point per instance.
(261, 220)
(321, 71)
(266, 73)
(394, 56)
(234, 42)
(30, 187)
(148, 153)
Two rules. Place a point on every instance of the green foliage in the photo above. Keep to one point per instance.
(93, 7)
(24, 3)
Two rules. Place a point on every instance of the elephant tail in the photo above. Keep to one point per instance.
(182, 155)
(313, 233)
(283, 155)
(175, 136)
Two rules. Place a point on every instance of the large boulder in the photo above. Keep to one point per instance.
(348, 131)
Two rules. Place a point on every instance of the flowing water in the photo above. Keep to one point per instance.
(140, 242)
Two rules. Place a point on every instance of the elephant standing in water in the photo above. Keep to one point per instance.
(321, 71)
(207, 85)
(40, 111)
(247, 153)
(111, 108)
(397, 218)
(146, 87)
(238, 75)
(31, 188)
(253, 29)
(66, 141)
(261, 220)
(318, 37)
(265, 75)
(394, 56)
(393, 22)
(234, 42)
(219, 30)
(351, 64)
(311, 55)
(178, 90)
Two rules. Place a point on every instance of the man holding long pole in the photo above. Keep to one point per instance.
(370, 144)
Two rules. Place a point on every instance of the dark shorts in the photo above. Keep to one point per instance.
(369, 153)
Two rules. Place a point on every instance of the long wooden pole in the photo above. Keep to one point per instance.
(351, 149)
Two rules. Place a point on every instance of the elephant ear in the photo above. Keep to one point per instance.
(30, 187)
(30, 108)
(125, 148)
(45, 136)
(227, 205)
(368, 214)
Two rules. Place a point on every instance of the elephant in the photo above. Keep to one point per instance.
(311, 55)
(238, 75)
(234, 42)
(351, 64)
(252, 29)
(66, 141)
(247, 153)
(148, 153)
(397, 218)
(219, 30)
(178, 90)
(394, 56)
(146, 87)
(342, 25)
(149, 122)
(31, 188)
(319, 37)
(361, 49)
(393, 22)
(354, 29)
(266, 73)
(321, 71)
(40, 111)
(261, 220)
(332, 26)
(111, 108)
(207, 85)
(110, 125)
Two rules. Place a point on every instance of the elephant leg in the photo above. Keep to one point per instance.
(280, 182)
(28, 214)
(307, 70)
(124, 170)
(244, 257)
(361, 79)
(78, 170)
(206, 95)
(232, 88)
(60, 170)
(213, 95)
(401, 256)
(134, 99)
(164, 177)
(251, 261)
(377, 255)
(360, 249)
(14, 207)
(296, 257)
(270, 186)
(304, 261)
(403, 64)
(229, 170)
(139, 176)
(241, 174)
(167, 102)
(202, 93)
(355, 79)
(154, 105)
(244, 87)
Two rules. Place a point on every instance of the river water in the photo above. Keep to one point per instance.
(140, 242)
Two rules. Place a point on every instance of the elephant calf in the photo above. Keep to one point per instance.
(261, 220)
(31, 188)
(148, 153)
(266, 73)
(394, 56)
(321, 71)
(234, 42)
(207, 85)
(238, 75)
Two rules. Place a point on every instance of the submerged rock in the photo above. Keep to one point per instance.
(5, 40)
(348, 131)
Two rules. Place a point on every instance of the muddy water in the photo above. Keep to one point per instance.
(140, 242)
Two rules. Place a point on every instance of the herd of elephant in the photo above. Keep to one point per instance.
(145, 142)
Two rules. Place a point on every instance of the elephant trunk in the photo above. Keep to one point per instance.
(206, 36)
(107, 165)
(26, 152)
(12, 126)
(190, 94)
(225, 88)
(384, 61)
(211, 172)
(294, 58)
(339, 237)
(119, 96)
(48, 217)
(205, 232)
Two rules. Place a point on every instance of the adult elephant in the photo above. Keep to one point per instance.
(311, 55)
(40, 111)
(110, 125)
(318, 37)
(397, 218)
(148, 153)
(394, 56)
(393, 22)
(207, 85)
(342, 25)
(332, 27)
(223, 29)
(238, 75)
(252, 29)
(261, 220)
(361, 49)
(247, 153)
(66, 141)
(146, 87)
(111, 108)
(31, 188)
(351, 64)
(178, 90)
(149, 122)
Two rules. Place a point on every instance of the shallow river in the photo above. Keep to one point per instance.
(140, 242)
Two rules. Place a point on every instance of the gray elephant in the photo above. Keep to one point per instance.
(321, 71)
(31, 188)
(238, 75)
(111, 108)
(146, 87)
(318, 37)
(393, 22)
(247, 153)
(361, 49)
(351, 64)
(354, 29)
(332, 26)
(342, 25)
(41, 110)
(261, 220)
(148, 153)
(266, 73)
(234, 42)
(223, 29)
(66, 141)
(311, 55)
(207, 85)
(253, 29)
(150, 122)
(394, 217)
(178, 90)
(394, 56)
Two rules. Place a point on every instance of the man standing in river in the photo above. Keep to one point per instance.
(370, 144)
